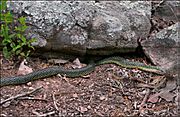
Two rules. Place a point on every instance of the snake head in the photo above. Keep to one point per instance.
(161, 71)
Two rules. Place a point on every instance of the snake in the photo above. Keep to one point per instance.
(74, 73)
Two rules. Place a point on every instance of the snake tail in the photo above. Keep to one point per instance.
(47, 72)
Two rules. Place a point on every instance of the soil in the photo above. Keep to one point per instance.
(110, 90)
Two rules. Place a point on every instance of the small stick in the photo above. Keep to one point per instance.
(145, 99)
(31, 98)
(55, 103)
(43, 115)
(20, 95)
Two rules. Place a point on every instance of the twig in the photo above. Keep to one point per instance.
(142, 85)
(159, 4)
(31, 98)
(145, 99)
(55, 103)
(43, 115)
(20, 95)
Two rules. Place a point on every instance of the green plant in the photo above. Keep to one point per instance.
(12, 32)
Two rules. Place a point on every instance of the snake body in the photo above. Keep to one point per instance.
(47, 72)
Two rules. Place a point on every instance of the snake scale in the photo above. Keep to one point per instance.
(47, 72)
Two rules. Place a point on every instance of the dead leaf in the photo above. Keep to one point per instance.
(23, 69)
(153, 98)
(77, 64)
(170, 85)
(168, 96)
(156, 80)
(165, 92)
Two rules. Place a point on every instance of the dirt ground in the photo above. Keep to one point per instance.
(110, 90)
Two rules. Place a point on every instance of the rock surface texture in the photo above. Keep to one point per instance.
(164, 49)
(86, 27)
(168, 10)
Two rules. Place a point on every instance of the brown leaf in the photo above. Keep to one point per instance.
(77, 64)
(153, 98)
(156, 80)
(170, 85)
(168, 96)
(164, 93)
(23, 69)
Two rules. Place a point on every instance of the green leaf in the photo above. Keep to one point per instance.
(23, 39)
(22, 20)
(31, 46)
(8, 17)
(4, 32)
(14, 41)
(18, 52)
(28, 52)
(6, 41)
(18, 35)
(2, 17)
(16, 48)
(23, 28)
(18, 29)
(3, 5)
(12, 35)
(33, 40)
(13, 45)
(22, 54)
(6, 53)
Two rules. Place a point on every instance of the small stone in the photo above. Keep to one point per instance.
(47, 83)
(75, 95)
(89, 107)
(29, 84)
(31, 88)
(83, 109)
(102, 97)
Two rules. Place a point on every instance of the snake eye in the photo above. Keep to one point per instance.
(162, 71)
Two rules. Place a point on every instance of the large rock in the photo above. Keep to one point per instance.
(164, 49)
(85, 27)
(168, 10)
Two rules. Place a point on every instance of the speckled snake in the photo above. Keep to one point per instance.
(47, 72)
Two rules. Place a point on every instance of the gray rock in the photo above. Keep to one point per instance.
(117, 27)
(83, 27)
(168, 10)
(163, 49)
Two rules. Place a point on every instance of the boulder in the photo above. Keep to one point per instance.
(85, 27)
(168, 10)
(163, 49)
